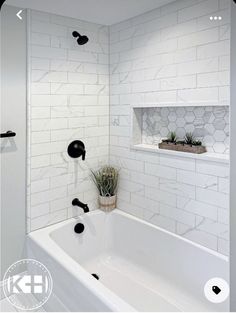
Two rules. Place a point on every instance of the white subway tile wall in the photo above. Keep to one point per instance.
(171, 55)
(69, 99)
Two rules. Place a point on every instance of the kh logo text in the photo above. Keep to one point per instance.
(34, 284)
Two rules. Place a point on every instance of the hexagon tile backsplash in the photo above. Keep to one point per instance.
(208, 123)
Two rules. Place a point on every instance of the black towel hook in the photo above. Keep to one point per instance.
(9, 133)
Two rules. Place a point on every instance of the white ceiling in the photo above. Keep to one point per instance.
(106, 12)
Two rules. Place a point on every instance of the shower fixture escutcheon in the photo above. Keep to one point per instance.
(76, 149)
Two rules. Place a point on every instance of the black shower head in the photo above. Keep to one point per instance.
(82, 40)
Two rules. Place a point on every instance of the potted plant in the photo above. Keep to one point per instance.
(189, 139)
(188, 144)
(172, 138)
(106, 180)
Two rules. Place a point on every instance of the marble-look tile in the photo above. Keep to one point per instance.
(159, 220)
(153, 59)
(69, 99)
(173, 62)
(208, 124)
(197, 207)
(203, 238)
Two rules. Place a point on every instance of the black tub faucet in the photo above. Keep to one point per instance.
(77, 202)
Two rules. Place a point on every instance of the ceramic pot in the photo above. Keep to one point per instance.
(107, 204)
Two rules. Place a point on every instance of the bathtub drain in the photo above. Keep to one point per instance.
(96, 276)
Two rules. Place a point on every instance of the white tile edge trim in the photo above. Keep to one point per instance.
(214, 157)
(178, 104)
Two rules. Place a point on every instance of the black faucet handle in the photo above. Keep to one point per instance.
(83, 155)
(76, 149)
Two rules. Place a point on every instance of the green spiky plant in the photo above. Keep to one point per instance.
(106, 180)
(189, 139)
(172, 137)
(197, 143)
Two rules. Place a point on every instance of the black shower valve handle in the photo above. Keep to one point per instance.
(76, 149)
(83, 155)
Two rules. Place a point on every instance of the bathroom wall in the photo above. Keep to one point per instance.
(172, 56)
(67, 100)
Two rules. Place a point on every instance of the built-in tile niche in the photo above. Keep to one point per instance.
(210, 124)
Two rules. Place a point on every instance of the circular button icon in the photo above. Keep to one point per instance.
(216, 290)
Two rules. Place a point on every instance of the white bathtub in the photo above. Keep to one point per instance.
(141, 267)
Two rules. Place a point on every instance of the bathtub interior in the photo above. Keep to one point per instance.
(151, 269)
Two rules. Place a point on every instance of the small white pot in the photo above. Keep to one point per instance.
(107, 204)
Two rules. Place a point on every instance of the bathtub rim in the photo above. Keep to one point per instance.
(49, 229)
